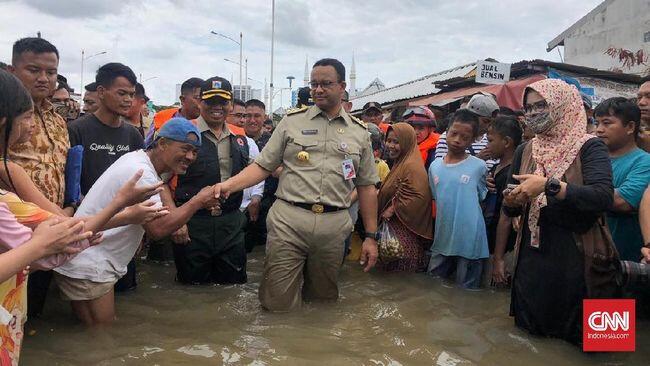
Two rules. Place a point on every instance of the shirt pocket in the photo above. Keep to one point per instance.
(302, 152)
(341, 151)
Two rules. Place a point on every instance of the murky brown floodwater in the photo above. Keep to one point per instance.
(380, 319)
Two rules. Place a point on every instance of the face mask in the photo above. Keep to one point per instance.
(539, 122)
(61, 109)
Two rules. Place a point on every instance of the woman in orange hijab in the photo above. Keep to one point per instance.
(405, 199)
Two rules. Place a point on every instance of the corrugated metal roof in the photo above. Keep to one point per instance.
(412, 89)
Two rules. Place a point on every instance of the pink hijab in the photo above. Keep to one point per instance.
(556, 149)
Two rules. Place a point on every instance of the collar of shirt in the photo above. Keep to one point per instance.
(203, 126)
(314, 111)
(45, 106)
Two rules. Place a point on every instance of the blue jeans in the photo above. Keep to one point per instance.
(468, 271)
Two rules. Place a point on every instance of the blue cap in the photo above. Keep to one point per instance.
(180, 129)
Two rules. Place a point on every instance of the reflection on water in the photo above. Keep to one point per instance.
(380, 319)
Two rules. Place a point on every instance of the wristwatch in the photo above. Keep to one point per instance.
(552, 187)
(375, 236)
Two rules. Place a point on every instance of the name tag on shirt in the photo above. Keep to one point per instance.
(309, 132)
(348, 169)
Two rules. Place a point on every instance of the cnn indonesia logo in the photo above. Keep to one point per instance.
(608, 325)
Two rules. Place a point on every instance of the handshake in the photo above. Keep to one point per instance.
(212, 197)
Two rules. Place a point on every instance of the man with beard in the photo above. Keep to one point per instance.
(105, 136)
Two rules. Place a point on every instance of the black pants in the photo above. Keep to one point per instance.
(256, 231)
(160, 250)
(128, 281)
(37, 287)
(216, 252)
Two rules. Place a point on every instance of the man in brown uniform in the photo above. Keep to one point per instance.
(325, 153)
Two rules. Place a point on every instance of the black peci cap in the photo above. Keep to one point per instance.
(216, 87)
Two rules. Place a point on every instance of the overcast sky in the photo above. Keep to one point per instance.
(395, 40)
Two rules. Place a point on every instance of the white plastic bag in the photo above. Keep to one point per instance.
(390, 248)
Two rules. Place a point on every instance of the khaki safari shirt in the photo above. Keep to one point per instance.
(43, 157)
(223, 146)
(329, 144)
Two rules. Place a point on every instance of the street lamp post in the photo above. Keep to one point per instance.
(276, 93)
(241, 50)
(240, 83)
(290, 78)
(272, 49)
(83, 58)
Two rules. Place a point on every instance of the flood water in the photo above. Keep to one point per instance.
(380, 319)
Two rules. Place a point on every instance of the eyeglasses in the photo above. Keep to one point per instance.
(325, 84)
(238, 115)
(535, 107)
(256, 115)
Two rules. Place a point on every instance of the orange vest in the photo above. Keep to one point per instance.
(428, 144)
(236, 130)
(384, 127)
(163, 116)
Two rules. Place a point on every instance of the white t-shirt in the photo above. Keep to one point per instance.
(107, 261)
(258, 189)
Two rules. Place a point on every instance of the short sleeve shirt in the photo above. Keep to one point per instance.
(103, 145)
(328, 144)
(44, 156)
(223, 146)
(107, 262)
(631, 175)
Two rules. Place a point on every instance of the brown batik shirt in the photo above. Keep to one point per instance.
(43, 157)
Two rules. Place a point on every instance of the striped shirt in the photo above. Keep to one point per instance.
(477, 147)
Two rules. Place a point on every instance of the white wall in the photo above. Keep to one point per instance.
(622, 24)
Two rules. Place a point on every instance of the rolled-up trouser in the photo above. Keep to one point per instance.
(216, 252)
(303, 256)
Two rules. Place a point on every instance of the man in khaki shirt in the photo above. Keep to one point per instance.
(216, 252)
(325, 153)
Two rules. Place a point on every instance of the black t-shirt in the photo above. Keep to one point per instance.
(103, 145)
(501, 182)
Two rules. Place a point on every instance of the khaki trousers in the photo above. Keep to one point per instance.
(304, 251)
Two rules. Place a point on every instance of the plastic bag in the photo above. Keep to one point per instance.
(390, 248)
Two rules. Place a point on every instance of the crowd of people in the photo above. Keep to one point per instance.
(551, 201)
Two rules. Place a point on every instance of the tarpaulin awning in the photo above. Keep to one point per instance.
(508, 95)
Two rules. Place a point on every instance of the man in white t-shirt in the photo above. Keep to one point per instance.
(87, 280)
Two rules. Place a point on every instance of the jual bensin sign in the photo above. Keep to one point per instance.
(492, 72)
(608, 325)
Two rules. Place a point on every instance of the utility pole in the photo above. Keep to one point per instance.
(272, 49)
